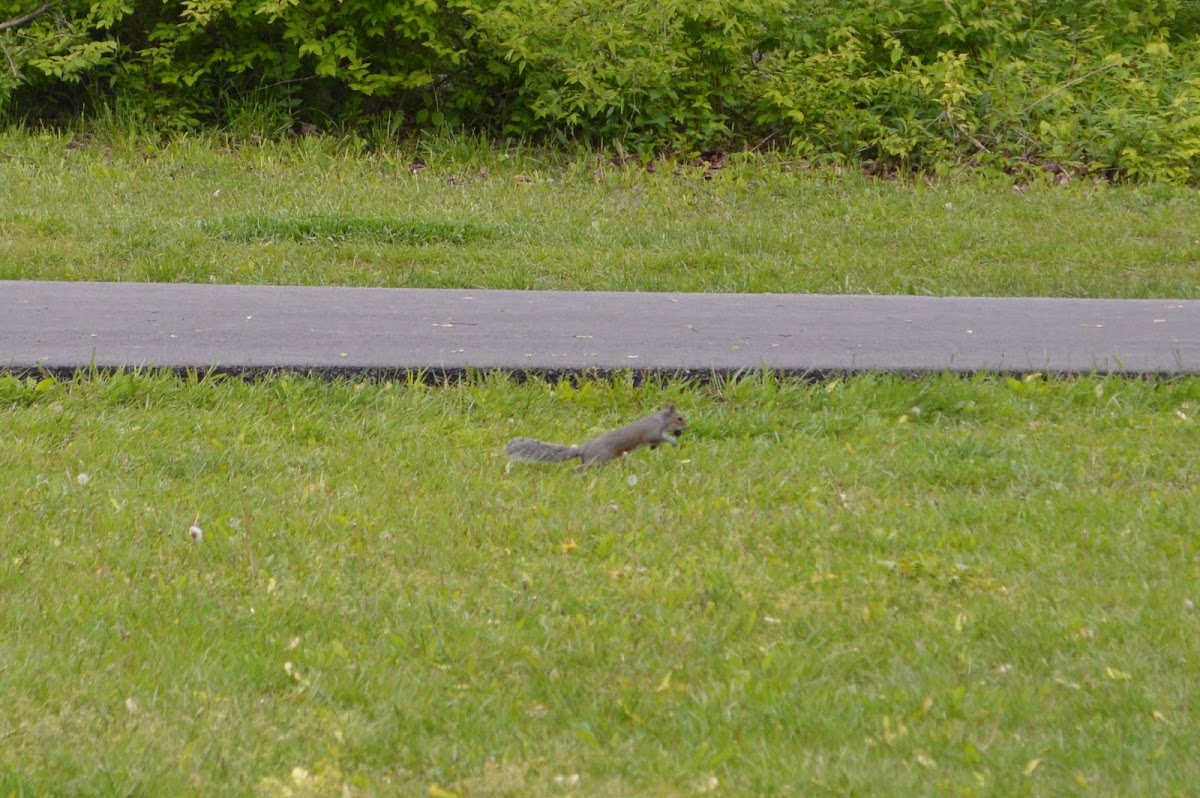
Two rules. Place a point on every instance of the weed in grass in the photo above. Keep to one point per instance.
(870, 586)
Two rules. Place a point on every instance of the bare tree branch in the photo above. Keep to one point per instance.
(25, 19)
(12, 62)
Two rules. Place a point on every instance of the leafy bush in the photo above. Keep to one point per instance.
(1001, 88)
(650, 72)
(1105, 86)
(198, 62)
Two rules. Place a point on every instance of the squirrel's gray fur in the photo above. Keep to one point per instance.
(661, 427)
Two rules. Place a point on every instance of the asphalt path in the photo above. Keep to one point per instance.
(58, 327)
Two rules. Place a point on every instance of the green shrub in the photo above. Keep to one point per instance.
(1072, 86)
(647, 72)
(200, 62)
(992, 91)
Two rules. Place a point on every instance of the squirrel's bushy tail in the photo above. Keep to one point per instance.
(531, 451)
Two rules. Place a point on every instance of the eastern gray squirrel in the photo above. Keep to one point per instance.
(662, 427)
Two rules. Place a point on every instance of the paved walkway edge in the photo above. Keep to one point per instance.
(62, 327)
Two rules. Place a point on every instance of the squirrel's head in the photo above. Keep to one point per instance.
(676, 423)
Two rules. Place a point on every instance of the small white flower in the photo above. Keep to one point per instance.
(196, 532)
(632, 479)
(83, 480)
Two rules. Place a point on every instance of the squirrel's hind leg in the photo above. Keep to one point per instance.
(585, 462)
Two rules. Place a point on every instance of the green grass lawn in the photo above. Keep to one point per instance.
(876, 586)
(319, 212)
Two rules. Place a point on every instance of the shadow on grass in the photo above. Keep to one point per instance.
(336, 228)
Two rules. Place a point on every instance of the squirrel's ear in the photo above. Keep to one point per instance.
(670, 407)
